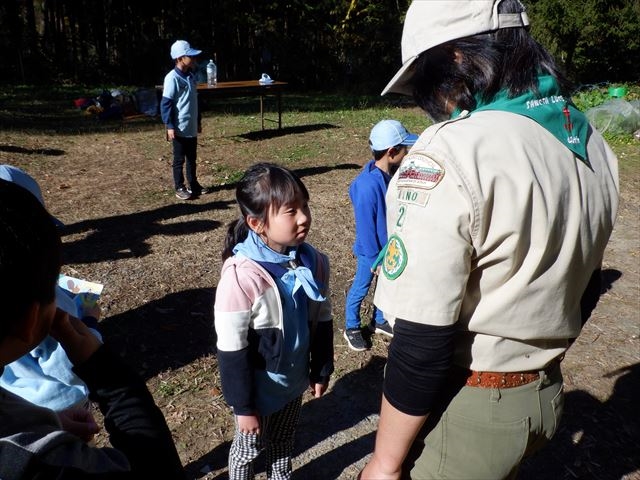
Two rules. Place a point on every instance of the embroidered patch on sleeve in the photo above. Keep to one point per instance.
(419, 171)
(395, 260)
(416, 196)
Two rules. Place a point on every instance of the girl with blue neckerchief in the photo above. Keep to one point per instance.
(273, 318)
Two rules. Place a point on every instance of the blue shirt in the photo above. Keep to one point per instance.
(44, 376)
(274, 390)
(179, 105)
(277, 385)
(367, 192)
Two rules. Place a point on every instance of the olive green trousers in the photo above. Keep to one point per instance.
(484, 433)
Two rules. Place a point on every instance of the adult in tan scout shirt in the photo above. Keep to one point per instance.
(498, 219)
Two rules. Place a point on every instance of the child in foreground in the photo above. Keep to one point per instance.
(272, 318)
(44, 375)
(36, 442)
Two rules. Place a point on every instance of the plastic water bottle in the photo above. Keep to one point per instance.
(212, 74)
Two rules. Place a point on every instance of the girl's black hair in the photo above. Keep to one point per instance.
(263, 187)
(508, 58)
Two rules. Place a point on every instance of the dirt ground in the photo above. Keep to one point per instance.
(159, 260)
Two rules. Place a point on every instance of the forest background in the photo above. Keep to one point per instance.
(321, 45)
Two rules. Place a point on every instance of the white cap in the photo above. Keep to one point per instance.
(181, 48)
(389, 133)
(430, 23)
(24, 180)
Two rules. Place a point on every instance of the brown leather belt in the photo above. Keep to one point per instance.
(508, 379)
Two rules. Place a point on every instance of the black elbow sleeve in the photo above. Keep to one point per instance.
(418, 363)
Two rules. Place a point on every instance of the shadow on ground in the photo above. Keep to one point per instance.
(352, 399)
(281, 132)
(595, 439)
(54, 152)
(125, 236)
(164, 334)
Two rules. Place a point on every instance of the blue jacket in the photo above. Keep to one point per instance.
(33, 444)
(367, 193)
(179, 105)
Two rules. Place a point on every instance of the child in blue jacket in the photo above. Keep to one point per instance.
(389, 141)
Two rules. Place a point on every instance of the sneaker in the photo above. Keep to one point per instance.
(183, 194)
(199, 190)
(382, 328)
(354, 339)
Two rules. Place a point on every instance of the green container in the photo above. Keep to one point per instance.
(617, 92)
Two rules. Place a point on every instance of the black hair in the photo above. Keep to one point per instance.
(30, 255)
(508, 58)
(264, 187)
(378, 154)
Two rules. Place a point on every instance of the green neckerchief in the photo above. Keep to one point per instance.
(550, 110)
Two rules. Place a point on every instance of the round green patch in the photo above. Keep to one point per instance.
(395, 259)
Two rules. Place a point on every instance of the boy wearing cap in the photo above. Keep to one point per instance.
(389, 141)
(180, 114)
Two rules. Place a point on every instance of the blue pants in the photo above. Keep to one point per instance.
(357, 292)
(184, 151)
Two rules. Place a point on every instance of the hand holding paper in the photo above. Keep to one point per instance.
(84, 295)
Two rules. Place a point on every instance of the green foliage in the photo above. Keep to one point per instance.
(167, 389)
(595, 95)
(368, 36)
(596, 40)
(331, 45)
(590, 97)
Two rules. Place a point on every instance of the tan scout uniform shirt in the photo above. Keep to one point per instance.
(495, 225)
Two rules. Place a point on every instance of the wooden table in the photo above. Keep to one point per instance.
(244, 88)
(250, 88)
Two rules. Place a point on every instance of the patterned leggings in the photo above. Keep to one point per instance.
(276, 437)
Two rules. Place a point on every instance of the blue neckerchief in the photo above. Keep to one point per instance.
(254, 248)
(549, 109)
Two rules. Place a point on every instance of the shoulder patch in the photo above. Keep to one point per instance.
(395, 259)
(419, 171)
